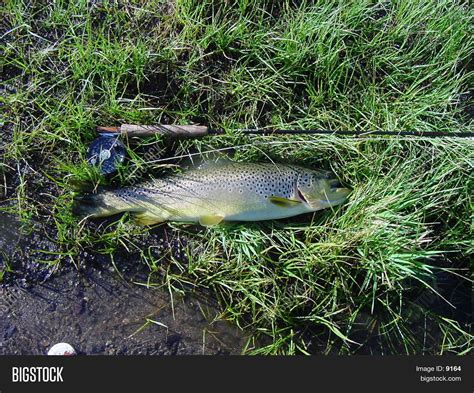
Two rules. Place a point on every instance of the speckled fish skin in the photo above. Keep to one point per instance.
(227, 192)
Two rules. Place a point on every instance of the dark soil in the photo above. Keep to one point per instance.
(97, 313)
(96, 309)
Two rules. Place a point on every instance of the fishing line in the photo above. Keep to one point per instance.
(272, 143)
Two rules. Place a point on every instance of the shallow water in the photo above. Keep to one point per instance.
(99, 314)
(97, 311)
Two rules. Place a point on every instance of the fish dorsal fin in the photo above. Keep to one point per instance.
(212, 164)
(210, 220)
(283, 202)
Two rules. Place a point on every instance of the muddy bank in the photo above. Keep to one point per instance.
(100, 314)
(96, 307)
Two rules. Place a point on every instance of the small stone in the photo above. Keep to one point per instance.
(10, 331)
(79, 307)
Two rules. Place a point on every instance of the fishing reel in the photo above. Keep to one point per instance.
(107, 151)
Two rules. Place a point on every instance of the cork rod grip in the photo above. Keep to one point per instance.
(164, 129)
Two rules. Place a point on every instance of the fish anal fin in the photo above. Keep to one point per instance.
(210, 220)
(146, 219)
(283, 202)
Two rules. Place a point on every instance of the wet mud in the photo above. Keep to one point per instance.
(98, 308)
(97, 313)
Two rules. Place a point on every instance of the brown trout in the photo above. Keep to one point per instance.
(228, 192)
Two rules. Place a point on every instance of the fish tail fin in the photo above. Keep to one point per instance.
(96, 205)
(86, 186)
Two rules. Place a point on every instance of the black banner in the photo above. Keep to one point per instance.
(317, 373)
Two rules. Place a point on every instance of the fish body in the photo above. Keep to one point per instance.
(227, 192)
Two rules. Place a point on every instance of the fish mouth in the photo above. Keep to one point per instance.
(336, 196)
(333, 193)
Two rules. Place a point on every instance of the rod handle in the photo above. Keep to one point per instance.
(164, 129)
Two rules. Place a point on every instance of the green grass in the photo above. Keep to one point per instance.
(356, 279)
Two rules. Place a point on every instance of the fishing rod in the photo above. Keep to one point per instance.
(107, 151)
(194, 131)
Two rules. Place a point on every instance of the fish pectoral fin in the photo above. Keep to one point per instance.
(283, 202)
(210, 220)
(146, 219)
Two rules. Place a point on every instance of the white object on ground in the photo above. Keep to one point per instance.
(61, 349)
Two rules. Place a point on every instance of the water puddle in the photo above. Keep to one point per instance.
(97, 312)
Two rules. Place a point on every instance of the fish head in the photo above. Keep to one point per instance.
(320, 189)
